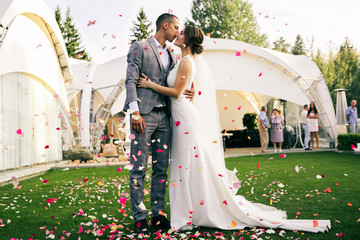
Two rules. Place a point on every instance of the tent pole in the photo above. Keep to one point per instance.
(298, 132)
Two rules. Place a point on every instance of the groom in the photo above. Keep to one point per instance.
(150, 120)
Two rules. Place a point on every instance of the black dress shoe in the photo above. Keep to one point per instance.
(142, 227)
(307, 148)
(161, 222)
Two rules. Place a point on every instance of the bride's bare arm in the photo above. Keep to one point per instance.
(181, 79)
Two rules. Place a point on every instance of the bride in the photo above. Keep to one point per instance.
(202, 191)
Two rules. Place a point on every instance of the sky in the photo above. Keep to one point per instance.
(328, 22)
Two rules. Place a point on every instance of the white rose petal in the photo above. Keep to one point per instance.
(142, 206)
(51, 236)
(128, 167)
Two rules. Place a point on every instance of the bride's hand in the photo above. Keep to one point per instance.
(144, 82)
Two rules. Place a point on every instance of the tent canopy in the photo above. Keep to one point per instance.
(254, 74)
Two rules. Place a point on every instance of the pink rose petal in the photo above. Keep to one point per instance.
(51, 200)
(123, 201)
(237, 184)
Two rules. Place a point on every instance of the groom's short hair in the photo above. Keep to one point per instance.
(165, 17)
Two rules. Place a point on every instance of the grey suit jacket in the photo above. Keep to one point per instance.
(143, 57)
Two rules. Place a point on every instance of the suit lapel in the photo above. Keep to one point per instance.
(156, 52)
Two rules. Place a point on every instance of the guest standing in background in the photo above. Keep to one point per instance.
(277, 132)
(304, 125)
(351, 117)
(313, 125)
(263, 123)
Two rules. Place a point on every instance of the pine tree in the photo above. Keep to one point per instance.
(231, 19)
(71, 35)
(299, 46)
(141, 28)
(281, 45)
(58, 18)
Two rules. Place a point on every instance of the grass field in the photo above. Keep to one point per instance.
(87, 205)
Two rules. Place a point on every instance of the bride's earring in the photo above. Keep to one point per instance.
(184, 45)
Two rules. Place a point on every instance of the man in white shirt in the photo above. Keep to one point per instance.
(304, 125)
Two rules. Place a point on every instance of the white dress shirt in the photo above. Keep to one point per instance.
(165, 61)
(303, 117)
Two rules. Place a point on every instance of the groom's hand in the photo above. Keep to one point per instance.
(190, 93)
(137, 123)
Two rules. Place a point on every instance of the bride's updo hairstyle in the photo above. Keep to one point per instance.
(194, 38)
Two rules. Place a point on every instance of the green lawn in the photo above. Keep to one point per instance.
(86, 208)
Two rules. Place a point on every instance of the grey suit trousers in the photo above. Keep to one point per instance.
(157, 134)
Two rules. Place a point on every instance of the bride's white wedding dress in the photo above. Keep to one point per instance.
(202, 190)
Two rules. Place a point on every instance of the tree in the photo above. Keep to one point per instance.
(299, 46)
(231, 19)
(341, 70)
(71, 35)
(141, 28)
(281, 45)
(347, 65)
(329, 74)
(58, 18)
(320, 61)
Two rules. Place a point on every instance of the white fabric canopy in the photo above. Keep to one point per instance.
(238, 66)
(33, 100)
(254, 74)
(100, 78)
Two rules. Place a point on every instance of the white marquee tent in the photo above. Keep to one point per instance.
(254, 75)
(98, 84)
(246, 78)
(33, 74)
